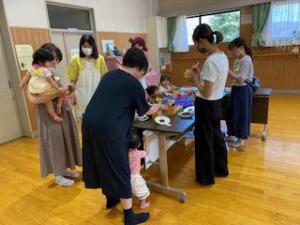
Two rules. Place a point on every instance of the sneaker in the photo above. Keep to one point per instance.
(239, 145)
(64, 182)
(231, 139)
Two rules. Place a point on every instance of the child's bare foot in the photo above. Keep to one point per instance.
(58, 119)
(145, 203)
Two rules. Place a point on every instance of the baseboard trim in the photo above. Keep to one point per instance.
(286, 92)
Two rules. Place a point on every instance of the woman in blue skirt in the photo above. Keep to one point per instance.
(239, 117)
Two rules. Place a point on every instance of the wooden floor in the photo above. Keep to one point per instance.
(263, 188)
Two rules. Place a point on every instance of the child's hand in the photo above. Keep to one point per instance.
(60, 92)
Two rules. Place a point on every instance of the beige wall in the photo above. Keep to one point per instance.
(110, 15)
(189, 7)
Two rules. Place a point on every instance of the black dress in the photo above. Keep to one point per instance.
(106, 129)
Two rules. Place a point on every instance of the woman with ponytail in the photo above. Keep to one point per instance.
(238, 121)
(210, 148)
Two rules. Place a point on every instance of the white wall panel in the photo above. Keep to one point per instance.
(110, 15)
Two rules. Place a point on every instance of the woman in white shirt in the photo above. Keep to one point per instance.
(238, 121)
(210, 148)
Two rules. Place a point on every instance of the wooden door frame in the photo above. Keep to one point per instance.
(14, 74)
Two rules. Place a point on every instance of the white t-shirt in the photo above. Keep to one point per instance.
(215, 69)
(243, 67)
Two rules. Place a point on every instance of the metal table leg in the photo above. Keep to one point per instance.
(164, 187)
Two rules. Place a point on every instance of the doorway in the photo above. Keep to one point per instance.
(10, 128)
(68, 43)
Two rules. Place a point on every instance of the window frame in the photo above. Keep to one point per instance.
(65, 5)
(200, 15)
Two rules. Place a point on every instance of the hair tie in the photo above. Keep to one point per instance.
(214, 38)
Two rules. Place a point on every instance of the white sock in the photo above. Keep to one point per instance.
(61, 181)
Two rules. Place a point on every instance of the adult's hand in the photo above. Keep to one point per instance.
(60, 92)
(154, 108)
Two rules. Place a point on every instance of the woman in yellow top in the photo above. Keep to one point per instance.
(85, 71)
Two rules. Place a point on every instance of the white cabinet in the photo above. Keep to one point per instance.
(162, 32)
(157, 38)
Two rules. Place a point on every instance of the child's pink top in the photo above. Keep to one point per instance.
(135, 157)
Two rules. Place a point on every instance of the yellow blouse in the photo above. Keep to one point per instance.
(76, 65)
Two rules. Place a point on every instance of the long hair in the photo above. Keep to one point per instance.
(238, 42)
(91, 40)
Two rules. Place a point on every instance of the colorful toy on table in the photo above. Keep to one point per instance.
(188, 90)
(179, 100)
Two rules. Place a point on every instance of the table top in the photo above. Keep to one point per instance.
(179, 125)
(260, 92)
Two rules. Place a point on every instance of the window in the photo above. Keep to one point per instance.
(283, 24)
(228, 23)
(62, 17)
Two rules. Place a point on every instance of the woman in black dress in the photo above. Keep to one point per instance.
(106, 129)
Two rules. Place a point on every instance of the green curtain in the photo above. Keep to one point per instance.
(172, 22)
(259, 18)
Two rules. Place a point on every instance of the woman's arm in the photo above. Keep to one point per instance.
(206, 88)
(236, 77)
(52, 82)
(153, 109)
(40, 99)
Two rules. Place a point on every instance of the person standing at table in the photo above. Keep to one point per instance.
(152, 76)
(85, 71)
(239, 119)
(106, 132)
(140, 43)
(210, 148)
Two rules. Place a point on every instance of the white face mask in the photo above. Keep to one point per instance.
(87, 51)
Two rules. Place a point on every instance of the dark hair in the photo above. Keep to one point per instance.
(91, 40)
(135, 58)
(135, 141)
(53, 48)
(204, 31)
(165, 77)
(238, 42)
(151, 89)
(42, 55)
(138, 41)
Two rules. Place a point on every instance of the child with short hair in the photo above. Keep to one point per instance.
(153, 92)
(40, 80)
(166, 86)
(138, 184)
